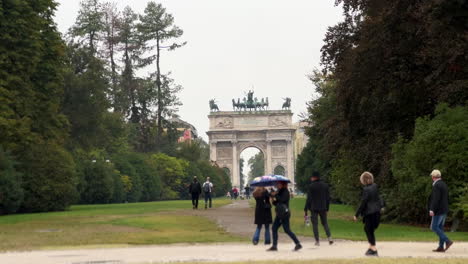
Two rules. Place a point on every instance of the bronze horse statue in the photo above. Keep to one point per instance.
(213, 106)
(287, 103)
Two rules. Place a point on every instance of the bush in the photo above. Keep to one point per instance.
(438, 143)
(97, 186)
(344, 179)
(173, 175)
(49, 179)
(11, 193)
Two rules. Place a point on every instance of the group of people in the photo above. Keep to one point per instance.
(318, 204)
(195, 189)
(235, 193)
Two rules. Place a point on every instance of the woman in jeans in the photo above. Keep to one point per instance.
(262, 214)
(281, 201)
(370, 207)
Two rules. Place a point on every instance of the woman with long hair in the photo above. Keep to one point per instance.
(262, 214)
(369, 209)
(283, 214)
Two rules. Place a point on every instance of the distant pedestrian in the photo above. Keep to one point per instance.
(370, 207)
(247, 192)
(228, 195)
(438, 209)
(208, 191)
(318, 203)
(235, 192)
(195, 190)
(262, 214)
(283, 214)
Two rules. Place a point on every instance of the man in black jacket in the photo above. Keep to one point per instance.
(318, 203)
(195, 190)
(438, 209)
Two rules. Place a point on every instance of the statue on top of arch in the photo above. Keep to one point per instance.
(250, 103)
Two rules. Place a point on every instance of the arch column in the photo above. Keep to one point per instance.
(235, 165)
(267, 157)
(290, 161)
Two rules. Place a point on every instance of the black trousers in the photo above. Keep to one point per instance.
(287, 229)
(323, 219)
(195, 197)
(371, 223)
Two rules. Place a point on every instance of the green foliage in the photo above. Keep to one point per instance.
(11, 192)
(49, 178)
(173, 175)
(97, 186)
(438, 143)
(257, 166)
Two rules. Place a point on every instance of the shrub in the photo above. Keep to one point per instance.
(438, 143)
(11, 193)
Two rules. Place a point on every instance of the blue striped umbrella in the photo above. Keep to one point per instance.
(268, 180)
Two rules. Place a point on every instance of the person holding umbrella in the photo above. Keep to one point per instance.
(281, 201)
(262, 214)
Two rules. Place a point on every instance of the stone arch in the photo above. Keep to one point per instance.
(271, 132)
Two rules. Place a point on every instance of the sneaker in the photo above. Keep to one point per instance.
(330, 241)
(439, 249)
(255, 242)
(297, 247)
(448, 244)
(273, 248)
(371, 253)
(317, 243)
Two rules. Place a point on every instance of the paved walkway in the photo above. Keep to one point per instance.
(235, 218)
(226, 252)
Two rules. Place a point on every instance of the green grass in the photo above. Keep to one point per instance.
(107, 225)
(352, 261)
(342, 226)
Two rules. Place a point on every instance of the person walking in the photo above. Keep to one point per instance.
(438, 209)
(262, 214)
(318, 203)
(247, 192)
(281, 202)
(207, 191)
(195, 190)
(370, 207)
(235, 192)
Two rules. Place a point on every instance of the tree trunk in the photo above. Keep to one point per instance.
(158, 84)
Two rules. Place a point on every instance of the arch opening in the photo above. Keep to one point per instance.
(252, 164)
(279, 170)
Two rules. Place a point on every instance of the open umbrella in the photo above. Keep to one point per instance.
(268, 180)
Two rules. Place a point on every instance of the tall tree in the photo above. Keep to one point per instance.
(89, 24)
(31, 68)
(111, 41)
(157, 29)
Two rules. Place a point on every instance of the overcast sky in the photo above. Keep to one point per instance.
(235, 45)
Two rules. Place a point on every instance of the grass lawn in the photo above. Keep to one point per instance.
(115, 224)
(353, 261)
(342, 226)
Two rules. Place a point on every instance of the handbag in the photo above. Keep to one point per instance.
(282, 211)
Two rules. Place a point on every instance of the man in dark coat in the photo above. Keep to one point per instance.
(318, 203)
(438, 209)
(195, 190)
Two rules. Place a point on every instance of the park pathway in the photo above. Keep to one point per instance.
(235, 218)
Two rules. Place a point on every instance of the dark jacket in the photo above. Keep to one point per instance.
(438, 201)
(318, 197)
(282, 197)
(370, 202)
(263, 209)
(195, 187)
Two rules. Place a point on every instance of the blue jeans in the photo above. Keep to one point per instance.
(207, 198)
(256, 236)
(287, 229)
(437, 225)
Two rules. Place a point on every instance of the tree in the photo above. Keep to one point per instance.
(32, 128)
(157, 28)
(173, 175)
(11, 192)
(438, 143)
(89, 24)
(111, 41)
(257, 166)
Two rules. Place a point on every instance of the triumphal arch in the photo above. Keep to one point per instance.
(251, 124)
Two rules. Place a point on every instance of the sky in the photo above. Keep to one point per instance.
(269, 46)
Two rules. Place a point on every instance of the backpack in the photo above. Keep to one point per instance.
(206, 187)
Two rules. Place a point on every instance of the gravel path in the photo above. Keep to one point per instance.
(235, 218)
